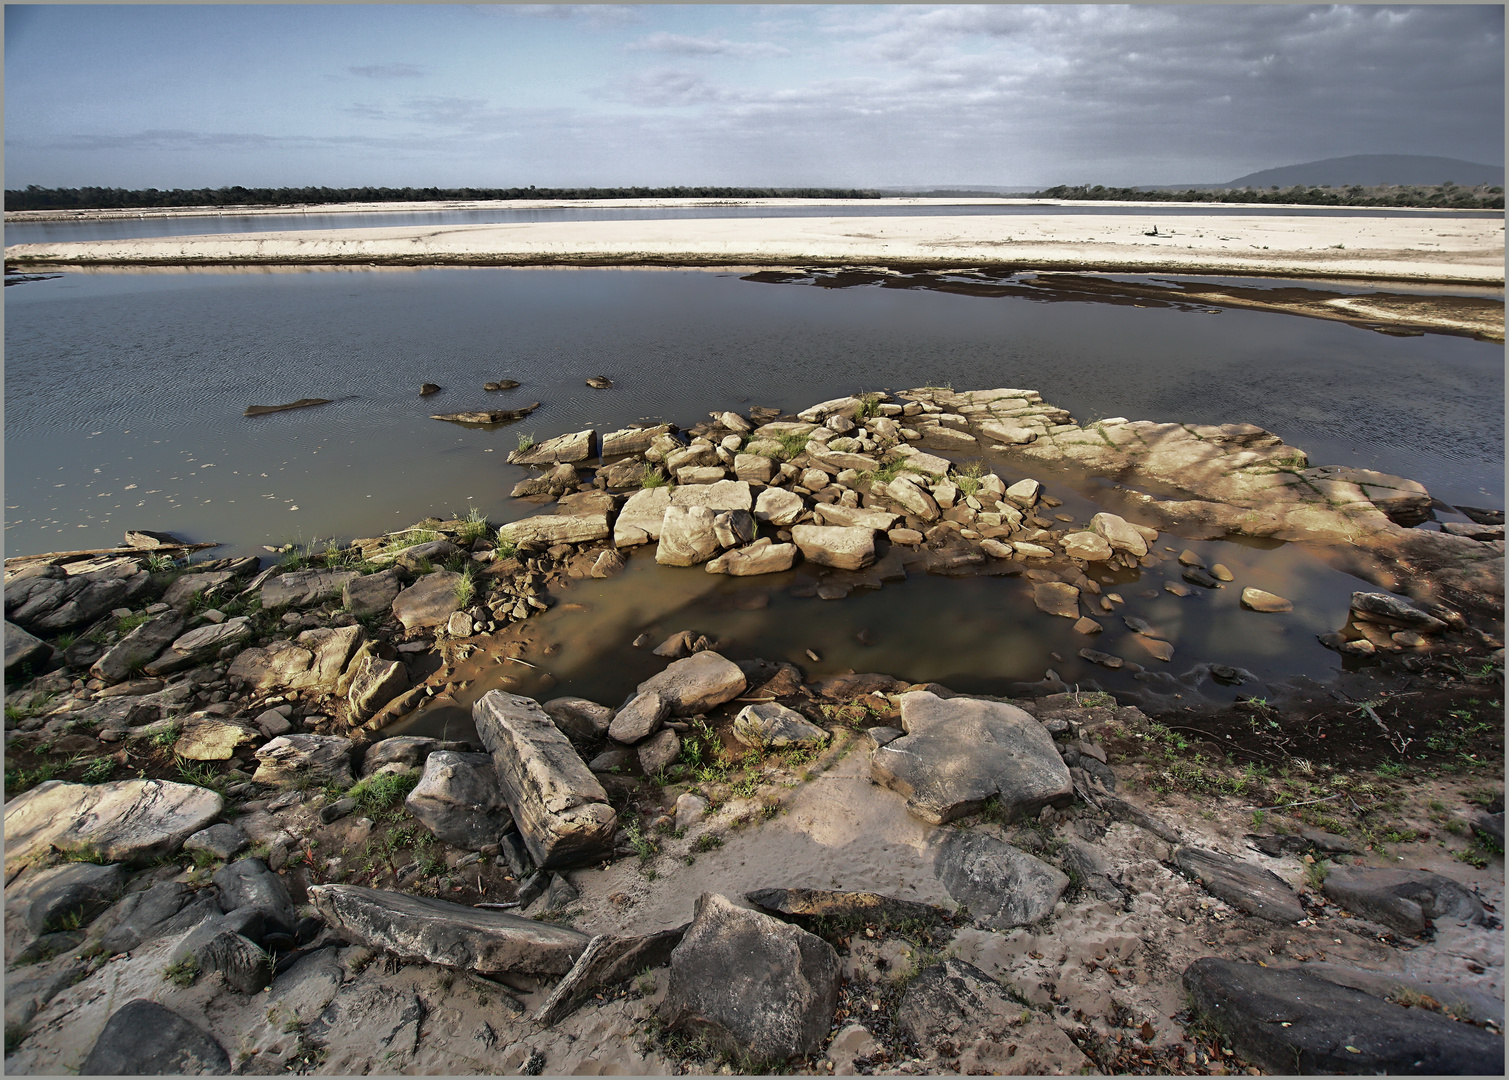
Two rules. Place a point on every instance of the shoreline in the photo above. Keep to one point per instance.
(1441, 251)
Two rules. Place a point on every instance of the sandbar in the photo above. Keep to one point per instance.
(1428, 247)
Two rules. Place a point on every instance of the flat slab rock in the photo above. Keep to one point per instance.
(696, 684)
(1290, 1022)
(122, 821)
(453, 935)
(1406, 900)
(1001, 885)
(607, 959)
(955, 1011)
(751, 984)
(1241, 884)
(560, 808)
(960, 752)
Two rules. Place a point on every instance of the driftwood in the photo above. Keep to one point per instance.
(488, 416)
(302, 403)
(73, 556)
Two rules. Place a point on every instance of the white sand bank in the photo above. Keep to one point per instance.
(1425, 248)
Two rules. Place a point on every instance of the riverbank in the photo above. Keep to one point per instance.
(1417, 248)
(1139, 857)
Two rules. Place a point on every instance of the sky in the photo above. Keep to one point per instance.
(788, 95)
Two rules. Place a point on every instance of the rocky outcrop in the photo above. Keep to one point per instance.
(437, 932)
(580, 519)
(142, 645)
(143, 1038)
(122, 821)
(752, 985)
(561, 810)
(291, 758)
(371, 594)
(576, 446)
(429, 601)
(1408, 901)
(960, 752)
(696, 684)
(302, 588)
(772, 724)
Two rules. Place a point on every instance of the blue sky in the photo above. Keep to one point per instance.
(552, 95)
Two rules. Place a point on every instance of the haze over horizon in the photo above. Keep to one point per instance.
(842, 96)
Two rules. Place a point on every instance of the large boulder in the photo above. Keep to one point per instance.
(696, 684)
(1406, 900)
(301, 588)
(580, 719)
(217, 945)
(169, 907)
(607, 960)
(639, 520)
(22, 648)
(277, 663)
(1241, 884)
(371, 594)
(956, 1012)
(640, 718)
(1001, 886)
(576, 446)
(772, 724)
(779, 507)
(1120, 534)
(1291, 1022)
(44, 899)
(142, 645)
(687, 536)
(723, 495)
(121, 821)
(429, 601)
(375, 683)
(912, 498)
(839, 546)
(960, 752)
(248, 883)
(332, 648)
(751, 984)
(560, 808)
(143, 1038)
(579, 519)
(764, 556)
(452, 935)
(212, 739)
(632, 440)
(200, 645)
(458, 799)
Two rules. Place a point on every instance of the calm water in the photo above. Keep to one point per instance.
(124, 394)
(134, 228)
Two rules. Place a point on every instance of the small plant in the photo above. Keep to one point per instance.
(869, 406)
(1316, 873)
(652, 478)
(707, 842)
(183, 973)
(474, 528)
(200, 774)
(792, 443)
(1096, 699)
(99, 770)
(127, 623)
(526, 442)
(165, 737)
(466, 587)
(1258, 818)
(383, 793)
(506, 547)
(643, 846)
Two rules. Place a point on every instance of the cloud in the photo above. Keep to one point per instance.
(666, 88)
(683, 45)
(388, 71)
(595, 15)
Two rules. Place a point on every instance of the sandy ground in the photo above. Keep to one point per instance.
(1423, 247)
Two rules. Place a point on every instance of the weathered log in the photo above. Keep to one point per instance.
(487, 416)
(302, 403)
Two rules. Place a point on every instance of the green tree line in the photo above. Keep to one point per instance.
(99, 198)
(1445, 196)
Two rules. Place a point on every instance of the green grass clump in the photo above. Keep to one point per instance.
(792, 444)
(466, 587)
(473, 528)
(384, 793)
(653, 478)
(526, 442)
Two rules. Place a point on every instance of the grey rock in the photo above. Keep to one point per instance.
(1490, 826)
(1391, 610)
(772, 724)
(697, 684)
(841, 547)
(721, 496)
(778, 507)
(960, 752)
(1241, 884)
(607, 960)
(332, 648)
(38, 974)
(912, 498)
(833, 904)
(371, 594)
(1286, 1021)
(1056, 598)
(200, 645)
(421, 558)
(687, 536)
(734, 528)
(615, 759)
(215, 946)
(580, 719)
(401, 753)
(437, 932)
(376, 683)
(631, 440)
(560, 808)
(576, 446)
(121, 821)
(1259, 600)
(1001, 885)
(211, 739)
(224, 841)
(1406, 900)
(278, 663)
(44, 898)
(190, 585)
(22, 648)
(751, 984)
(303, 588)
(429, 601)
(640, 718)
(639, 520)
(288, 758)
(573, 523)
(954, 1009)
(835, 514)
(761, 557)
(658, 752)
(137, 648)
(248, 883)
(459, 800)
(143, 1038)
(169, 907)
(1088, 863)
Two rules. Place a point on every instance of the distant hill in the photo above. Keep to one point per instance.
(1372, 170)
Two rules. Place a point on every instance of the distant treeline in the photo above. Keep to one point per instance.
(97, 198)
(1446, 196)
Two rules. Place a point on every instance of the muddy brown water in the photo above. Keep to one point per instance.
(125, 393)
